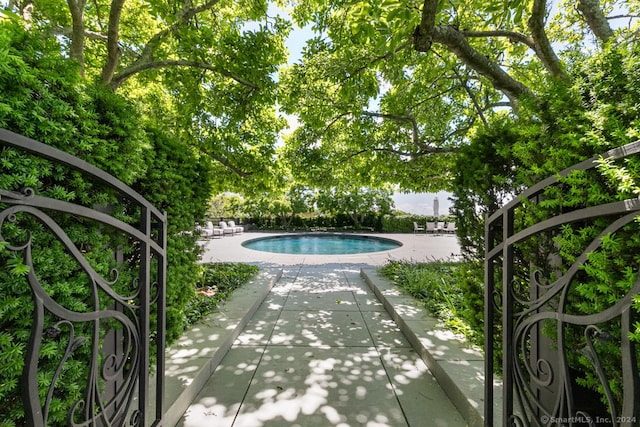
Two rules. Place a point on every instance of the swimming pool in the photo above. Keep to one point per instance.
(321, 244)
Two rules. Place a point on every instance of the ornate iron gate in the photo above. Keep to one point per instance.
(548, 341)
(114, 332)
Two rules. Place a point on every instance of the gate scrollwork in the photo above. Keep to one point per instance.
(113, 329)
(554, 346)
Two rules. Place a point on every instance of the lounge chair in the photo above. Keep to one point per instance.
(209, 231)
(451, 227)
(238, 229)
(431, 227)
(417, 228)
(226, 229)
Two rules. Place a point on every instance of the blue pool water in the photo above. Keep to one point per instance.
(321, 244)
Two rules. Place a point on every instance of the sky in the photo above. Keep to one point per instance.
(422, 203)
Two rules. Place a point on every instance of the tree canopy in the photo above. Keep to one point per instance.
(385, 92)
(391, 89)
(202, 71)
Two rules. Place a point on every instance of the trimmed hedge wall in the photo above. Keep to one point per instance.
(377, 223)
(404, 224)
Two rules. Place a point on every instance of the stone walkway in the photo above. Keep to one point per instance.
(322, 351)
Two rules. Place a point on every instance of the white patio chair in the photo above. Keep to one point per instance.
(417, 228)
(431, 227)
(237, 229)
(211, 231)
(226, 229)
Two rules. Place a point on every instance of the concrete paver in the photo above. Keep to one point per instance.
(322, 351)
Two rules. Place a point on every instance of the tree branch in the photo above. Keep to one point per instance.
(428, 151)
(595, 18)
(455, 41)
(399, 118)
(334, 120)
(457, 44)
(627, 16)
(226, 163)
(513, 36)
(434, 95)
(499, 104)
(231, 167)
(378, 58)
(471, 95)
(113, 52)
(147, 55)
(122, 76)
(183, 17)
(542, 44)
(65, 31)
(426, 146)
(98, 15)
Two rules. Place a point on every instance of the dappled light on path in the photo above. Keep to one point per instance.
(319, 387)
(321, 351)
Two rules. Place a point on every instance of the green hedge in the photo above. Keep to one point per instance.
(565, 125)
(44, 97)
(372, 222)
(177, 182)
(404, 223)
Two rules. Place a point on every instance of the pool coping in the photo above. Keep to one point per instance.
(416, 248)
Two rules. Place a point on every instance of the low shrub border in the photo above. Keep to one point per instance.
(219, 280)
(445, 289)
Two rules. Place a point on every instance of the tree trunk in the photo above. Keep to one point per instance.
(542, 45)
(76, 7)
(286, 219)
(355, 218)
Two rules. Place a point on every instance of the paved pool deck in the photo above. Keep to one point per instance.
(324, 346)
(415, 247)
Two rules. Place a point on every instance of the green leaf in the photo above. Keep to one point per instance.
(18, 268)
